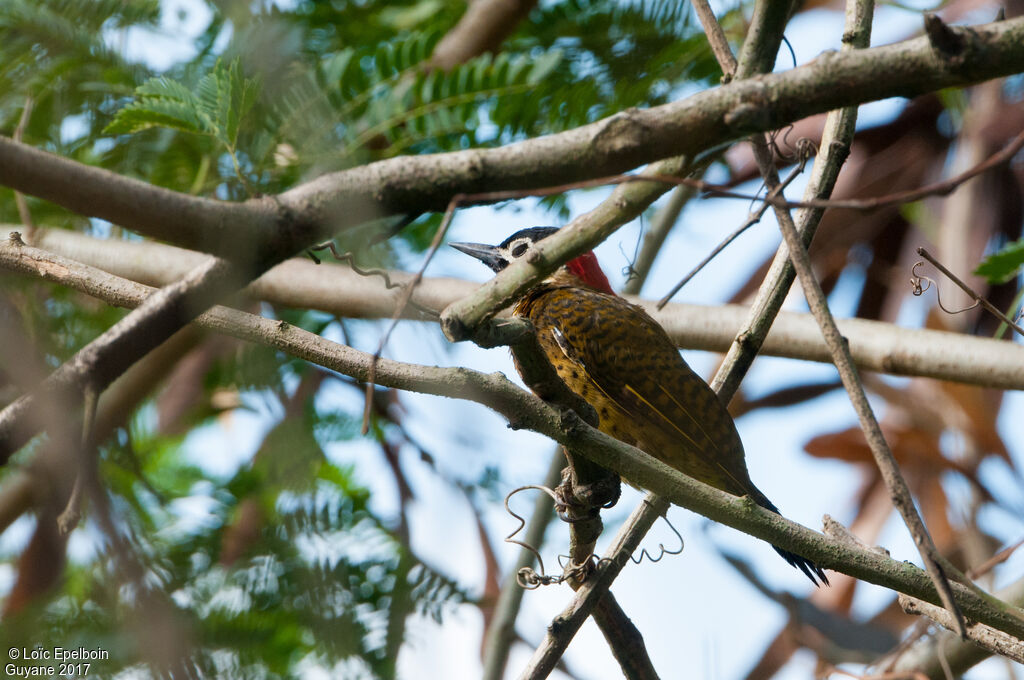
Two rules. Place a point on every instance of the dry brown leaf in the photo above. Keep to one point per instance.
(39, 565)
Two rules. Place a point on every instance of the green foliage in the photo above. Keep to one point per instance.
(1001, 266)
(282, 561)
(317, 582)
(379, 101)
(216, 108)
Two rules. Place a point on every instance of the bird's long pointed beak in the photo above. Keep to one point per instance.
(485, 253)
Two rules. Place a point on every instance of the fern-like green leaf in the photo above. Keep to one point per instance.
(543, 66)
(167, 88)
(151, 113)
(1003, 265)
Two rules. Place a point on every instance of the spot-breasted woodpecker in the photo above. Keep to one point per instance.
(621, 361)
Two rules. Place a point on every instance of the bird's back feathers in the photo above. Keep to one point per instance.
(621, 362)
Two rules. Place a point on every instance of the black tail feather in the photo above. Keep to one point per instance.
(809, 568)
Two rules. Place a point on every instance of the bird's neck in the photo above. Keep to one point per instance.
(563, 277)
(586, 270)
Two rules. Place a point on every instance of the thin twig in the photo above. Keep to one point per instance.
(19, 198)
(753, 218)
(662, 222)
(909, 196)
(403, 302)
(839, 348)
(716, 38)
(994, 561)
(995, 641)
(988, 306)
(527, 411)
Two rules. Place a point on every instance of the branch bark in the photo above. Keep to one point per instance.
(992, 640)
(526, 411)
(272, 228)
(767, 29)
(958, 655)
(336, 289)
(482, 28)
(101, 361)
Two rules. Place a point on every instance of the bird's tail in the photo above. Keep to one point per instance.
(809, 568)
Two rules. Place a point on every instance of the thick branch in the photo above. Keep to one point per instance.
(526, 411)
(766, 30)
(279, 227)
(201, 223)
(335, 289)
(483, 27)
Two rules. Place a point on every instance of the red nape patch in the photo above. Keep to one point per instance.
(587, 268)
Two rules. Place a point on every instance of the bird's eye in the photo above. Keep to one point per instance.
(519, 249)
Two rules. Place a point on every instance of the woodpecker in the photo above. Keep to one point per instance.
(621, 361)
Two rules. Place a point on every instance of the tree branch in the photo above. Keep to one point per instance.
(884, 459)
(626, 202)
(274, 228)
(992, 640)
(959, 655)
(527, 411)
(109, 355)
(875, 346)
(482, 28)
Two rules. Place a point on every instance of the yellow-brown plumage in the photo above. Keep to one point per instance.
(615, 356)
(622, 362)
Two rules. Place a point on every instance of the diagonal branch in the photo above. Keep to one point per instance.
(978, 299)
(876, 346)
(797, 244)
(482, 28)
(102, 360)
(747, 345)
(524, 410)
(626, 202)
(932, 655)
(898, 489)
(992, 640)
(277, 227)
